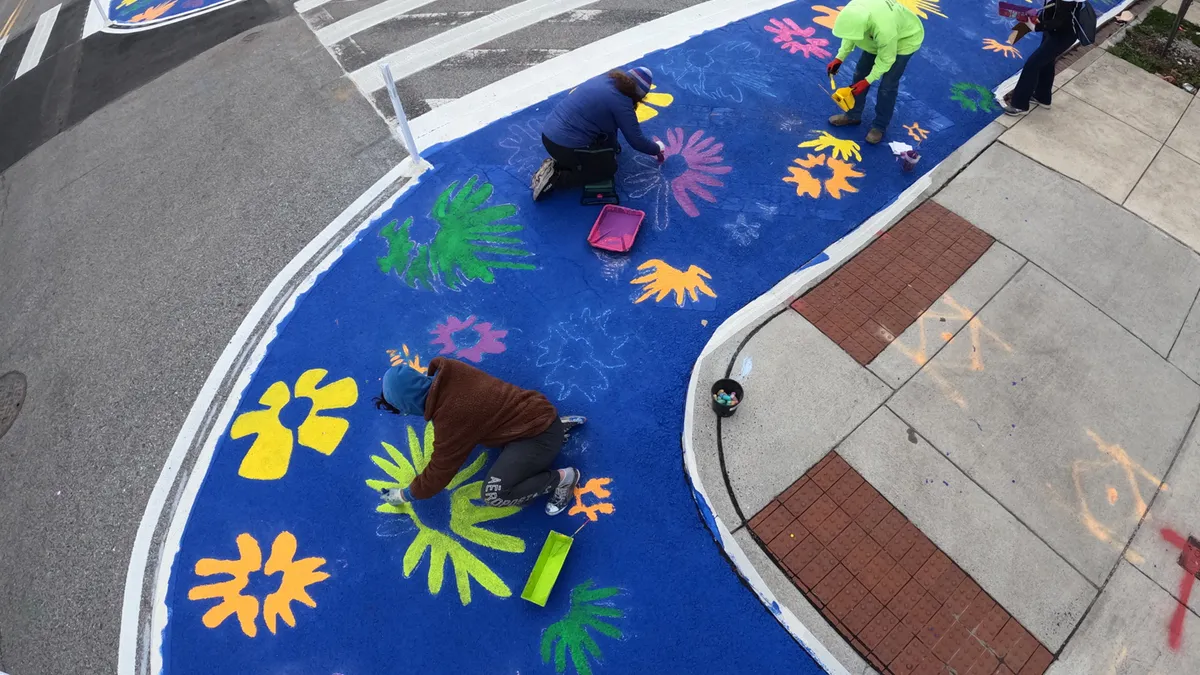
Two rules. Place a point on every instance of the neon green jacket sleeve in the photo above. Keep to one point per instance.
(847, 47)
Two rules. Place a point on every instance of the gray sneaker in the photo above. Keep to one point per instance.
(1013, 111)
(543, 179)
(562, 494)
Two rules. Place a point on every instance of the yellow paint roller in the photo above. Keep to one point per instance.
(843, 97)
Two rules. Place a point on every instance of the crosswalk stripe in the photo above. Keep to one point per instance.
(37, 42)
(461, 38)
(506, 96)
(305, 5)
(372, 16)
(94, 21)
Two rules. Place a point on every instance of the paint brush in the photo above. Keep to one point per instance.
(585, 522)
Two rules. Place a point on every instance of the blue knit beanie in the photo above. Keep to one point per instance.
(643, 77)
(405, 389)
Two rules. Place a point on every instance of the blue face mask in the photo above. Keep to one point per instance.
(406, 389)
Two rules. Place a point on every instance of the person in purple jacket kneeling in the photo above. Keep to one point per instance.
(581, 132)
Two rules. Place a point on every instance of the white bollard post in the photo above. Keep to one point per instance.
(401, 119)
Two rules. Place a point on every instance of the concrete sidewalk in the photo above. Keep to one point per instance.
(971, 448)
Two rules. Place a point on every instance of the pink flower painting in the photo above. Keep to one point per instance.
(793, 38)
(487, 339)
(690, 168)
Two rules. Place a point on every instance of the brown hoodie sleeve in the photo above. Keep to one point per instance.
(468, 407)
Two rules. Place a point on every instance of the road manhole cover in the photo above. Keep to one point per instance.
(12, 396)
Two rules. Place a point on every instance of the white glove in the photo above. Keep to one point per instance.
(395, 496)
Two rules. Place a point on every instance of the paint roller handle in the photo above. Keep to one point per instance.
(832, 69)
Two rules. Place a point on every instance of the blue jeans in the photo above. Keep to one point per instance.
(889, 87)
(1037, 77)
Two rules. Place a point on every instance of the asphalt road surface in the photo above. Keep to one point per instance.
(131, 246)
(152, 185)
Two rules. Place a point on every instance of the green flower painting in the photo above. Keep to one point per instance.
(466, 521)
(470, 243)
(591, 609)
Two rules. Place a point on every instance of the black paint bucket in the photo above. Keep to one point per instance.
(730, 387)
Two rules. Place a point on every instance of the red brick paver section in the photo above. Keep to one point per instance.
(892, 594)
(889, 284)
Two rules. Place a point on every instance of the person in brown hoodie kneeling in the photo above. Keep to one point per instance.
(468, 407)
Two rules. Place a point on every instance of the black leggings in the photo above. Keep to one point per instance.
(522, 471)
(1037, 77)
(596, 163)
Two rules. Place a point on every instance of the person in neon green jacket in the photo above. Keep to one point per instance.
(888, 35)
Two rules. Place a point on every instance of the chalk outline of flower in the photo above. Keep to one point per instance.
(1007, 50)
(298, 575)
(567, 332)
(703, 157)
(488, 341)
(786, 31)
(590, 608)
(466, 230)
(648, 106)
(742, 230)
(916, 132)
(722, 65)
(524, 146)
(651, 181)
(838, 147)
(986, 101)
(465, 520)
(807, 184)
(664, 279)
(271, 452)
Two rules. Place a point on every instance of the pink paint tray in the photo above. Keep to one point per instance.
(616, 228)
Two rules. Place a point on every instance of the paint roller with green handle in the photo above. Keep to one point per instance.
(548, 566)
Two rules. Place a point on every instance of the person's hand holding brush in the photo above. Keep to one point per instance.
(858, 88)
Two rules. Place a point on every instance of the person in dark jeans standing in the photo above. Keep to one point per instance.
(1056, 23)
(581, 132)
(468, 407)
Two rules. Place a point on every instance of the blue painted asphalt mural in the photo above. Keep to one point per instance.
(151, 11)
(289, 565)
